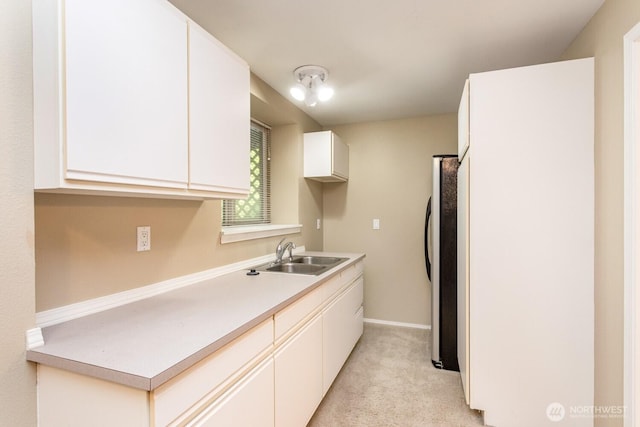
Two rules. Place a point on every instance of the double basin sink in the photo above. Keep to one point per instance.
(306, 264)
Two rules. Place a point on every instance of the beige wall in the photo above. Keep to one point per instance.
(602, 38)
(389, 179)
(86, 248)
(17, 311)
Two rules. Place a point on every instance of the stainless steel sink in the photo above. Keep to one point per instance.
(318, 260)
(306, 264)
(289, 267)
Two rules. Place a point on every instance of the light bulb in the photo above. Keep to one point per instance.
(311, 100)
(298, 92)
(325, 93)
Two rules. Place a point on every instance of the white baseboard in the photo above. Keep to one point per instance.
(401, 324)
(95, 305)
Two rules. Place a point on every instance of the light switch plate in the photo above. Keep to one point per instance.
(376, 224)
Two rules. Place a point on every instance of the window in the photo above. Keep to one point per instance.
(256, 208)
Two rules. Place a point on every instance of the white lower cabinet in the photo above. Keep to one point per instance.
(341, 329)
(74, 400)
(298, 376)
(247, 403)
(275, 374)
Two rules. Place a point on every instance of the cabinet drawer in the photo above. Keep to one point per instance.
(332, 286)
(298, 311)
(353, 297)
(183, 392)
(248, 403)
(336, 284)
(352, 272)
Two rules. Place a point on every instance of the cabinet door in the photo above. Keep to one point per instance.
(126, 92)
(342, 327)
(248, 403)
(463, 273)
(219, 118)
(340, 158)
(298, 376)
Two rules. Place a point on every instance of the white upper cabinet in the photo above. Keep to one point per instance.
(218, 116)
(111, 102)
(126, 101)
(326, 157)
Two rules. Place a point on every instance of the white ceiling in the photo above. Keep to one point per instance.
(390, 59)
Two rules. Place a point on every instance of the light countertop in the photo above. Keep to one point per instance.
(146, 343)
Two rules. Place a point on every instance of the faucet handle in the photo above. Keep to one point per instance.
(291, 247)
(280, 251)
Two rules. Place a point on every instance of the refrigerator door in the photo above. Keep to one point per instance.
(443, 224)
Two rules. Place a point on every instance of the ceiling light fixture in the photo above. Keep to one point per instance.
(311, 85)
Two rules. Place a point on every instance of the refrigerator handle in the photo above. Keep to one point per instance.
(426, 239)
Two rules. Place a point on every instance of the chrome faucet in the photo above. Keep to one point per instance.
(282, 248)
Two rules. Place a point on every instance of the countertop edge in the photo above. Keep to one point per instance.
(100, 372)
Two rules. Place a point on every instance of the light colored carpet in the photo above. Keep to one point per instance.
(389, 381)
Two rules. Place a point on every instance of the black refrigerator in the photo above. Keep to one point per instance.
(440, 242)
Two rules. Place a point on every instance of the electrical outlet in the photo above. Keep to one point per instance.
(144, 238)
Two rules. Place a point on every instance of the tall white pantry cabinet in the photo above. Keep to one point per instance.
(526, 244)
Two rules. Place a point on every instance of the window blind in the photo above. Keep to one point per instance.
(256, 208)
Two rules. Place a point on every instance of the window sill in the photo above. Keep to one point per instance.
(259, 231)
